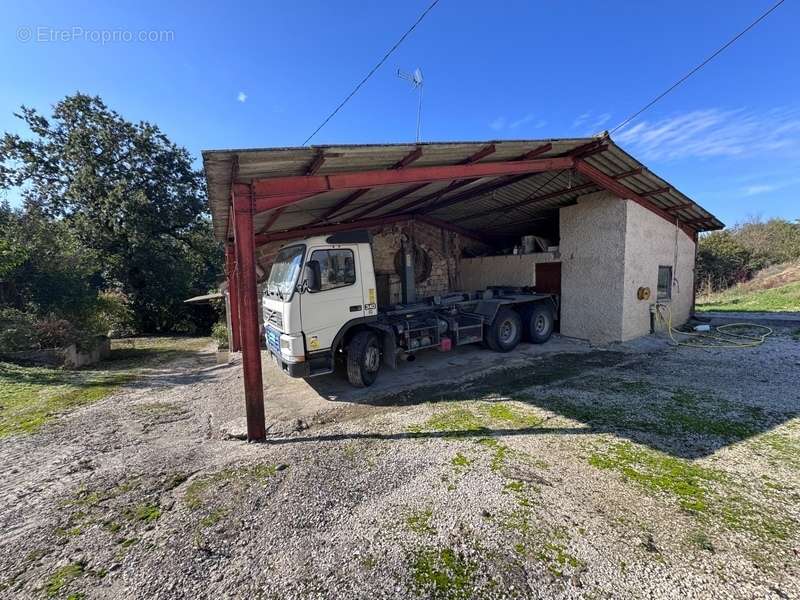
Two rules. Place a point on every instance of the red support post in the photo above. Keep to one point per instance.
(243, 211)
(233, 296)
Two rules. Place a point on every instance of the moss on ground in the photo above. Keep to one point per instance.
(32, 396)
(420, 522)
(708, 494)
(443, 574)
(62, 577)
(198, 490)
(476, 417)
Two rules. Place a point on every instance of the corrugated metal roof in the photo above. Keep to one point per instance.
(509, 209)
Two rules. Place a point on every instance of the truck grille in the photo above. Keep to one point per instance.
(276, 318)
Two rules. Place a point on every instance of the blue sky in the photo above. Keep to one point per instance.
(256, 74)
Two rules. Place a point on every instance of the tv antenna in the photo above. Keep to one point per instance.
(415, 79)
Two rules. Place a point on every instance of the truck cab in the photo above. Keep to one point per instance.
(318, 288)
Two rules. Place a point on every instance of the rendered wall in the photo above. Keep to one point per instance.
(516, 270)
(593, 267)
(609, 249)
(650, 243)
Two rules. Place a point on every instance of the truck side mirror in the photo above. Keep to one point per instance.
(311, 276)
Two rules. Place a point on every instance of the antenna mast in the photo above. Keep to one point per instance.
(415, 79)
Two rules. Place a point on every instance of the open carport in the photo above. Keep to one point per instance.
(617, 224)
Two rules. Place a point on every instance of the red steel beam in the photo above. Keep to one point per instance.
(387, 200)
(585, 150)
(272, 218)
(341, 204)
(454, 185)
(401, 164)
(480, 154)
(316, 164)
(243, 211)
(279, 191)
(679, 207)
(548, 196)
(408, 159)
(451, 227)
(655, 192)
(619, 189)
(323, 229)
(233, 295)
(530, 154)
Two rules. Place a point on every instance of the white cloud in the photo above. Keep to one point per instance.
(498, 124)
(242, 97)
(753, 190)
(715, 132)
(590, 123)
(501, 123)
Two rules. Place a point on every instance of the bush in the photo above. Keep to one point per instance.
(55, 333)
(17, 331)
(220, 334)
(725, 258)
(114, 316)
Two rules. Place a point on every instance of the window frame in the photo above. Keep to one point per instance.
(668, 294)
(329, 250)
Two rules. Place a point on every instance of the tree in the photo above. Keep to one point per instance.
(126, 192)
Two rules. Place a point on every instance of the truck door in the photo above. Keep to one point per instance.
(339, 299)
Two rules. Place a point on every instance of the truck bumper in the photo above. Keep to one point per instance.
(299, 370)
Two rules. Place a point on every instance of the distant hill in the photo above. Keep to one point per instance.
(773, 289)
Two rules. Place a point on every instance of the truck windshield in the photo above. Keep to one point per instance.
(285, 271)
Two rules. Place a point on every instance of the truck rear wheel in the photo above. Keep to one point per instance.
(363, 359)
(505, 332)
(538, 321)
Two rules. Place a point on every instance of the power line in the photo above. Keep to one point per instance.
(698, 67)
(375, 68)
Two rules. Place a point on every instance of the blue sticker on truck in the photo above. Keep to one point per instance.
(274, 340)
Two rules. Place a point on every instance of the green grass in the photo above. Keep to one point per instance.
(32, 396)
(778, 299)
(420, 522)
(706, 493)
(442, 574)
(479, 418)
(62, 578)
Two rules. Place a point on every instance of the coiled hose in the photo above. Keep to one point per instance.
(719, 337)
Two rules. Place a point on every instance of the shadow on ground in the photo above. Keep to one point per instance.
(633, 396)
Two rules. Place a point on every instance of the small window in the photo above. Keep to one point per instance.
(664, 283)
(337, 268)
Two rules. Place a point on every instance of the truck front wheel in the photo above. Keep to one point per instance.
(363, 359)
(504, 333)
(538, 321)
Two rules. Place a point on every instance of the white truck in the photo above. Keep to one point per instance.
(321, 312)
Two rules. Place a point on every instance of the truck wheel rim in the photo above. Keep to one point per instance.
(372, 358)
(508, 330)
(541, 324)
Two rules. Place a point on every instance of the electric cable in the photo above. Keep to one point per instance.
(700, 66)
(375, 68)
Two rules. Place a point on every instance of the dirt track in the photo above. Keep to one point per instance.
(642, 471)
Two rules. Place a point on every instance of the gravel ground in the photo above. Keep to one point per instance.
(637, 471)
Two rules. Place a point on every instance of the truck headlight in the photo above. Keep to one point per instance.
(293, 348)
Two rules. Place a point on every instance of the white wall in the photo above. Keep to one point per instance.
(592, 267)
(609, 249)
(513, 270)
(651, 242)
